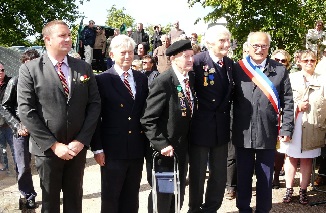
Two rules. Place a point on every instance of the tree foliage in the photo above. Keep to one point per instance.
(286, 21)
(116, 17)
(22, 18)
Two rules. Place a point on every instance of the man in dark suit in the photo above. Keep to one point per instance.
(210, 128)
(59, 104)
(167, 115)
(119, 142)
(262, 88)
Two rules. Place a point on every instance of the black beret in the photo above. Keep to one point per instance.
(178, 46)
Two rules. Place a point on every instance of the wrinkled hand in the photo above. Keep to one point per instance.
(167, 151)
(22, 131)
(75, 146)
(304, 105)
(284, 138)
(100, 158)
(62, 151)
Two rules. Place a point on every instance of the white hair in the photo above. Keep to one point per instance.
(122, 41)
(212, 32)
(252, 33)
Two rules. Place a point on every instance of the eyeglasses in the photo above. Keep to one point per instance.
(307, 60)
(98, 28)
(145, 62)
(2, 70)
(280, 60)
(262, 46)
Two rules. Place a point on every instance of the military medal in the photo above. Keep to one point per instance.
(205, 73)
(211, 70)
(211, 79)
(205, 82)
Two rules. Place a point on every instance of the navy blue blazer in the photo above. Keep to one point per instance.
(211, 120)
(119, 132)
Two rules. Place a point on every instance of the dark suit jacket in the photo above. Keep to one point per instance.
(211, 121)
(119, 132)
(254, 118)
(45, 111)
(162, 120)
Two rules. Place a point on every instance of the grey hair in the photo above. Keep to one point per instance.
(212, 32)
(123, 41)
(252, 33)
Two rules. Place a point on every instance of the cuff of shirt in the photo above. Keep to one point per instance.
(97, 151)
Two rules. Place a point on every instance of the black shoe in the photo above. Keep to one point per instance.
(31, 204)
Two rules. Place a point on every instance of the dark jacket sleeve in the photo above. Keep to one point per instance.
(154, 107)
(287, 104)
(9, 105)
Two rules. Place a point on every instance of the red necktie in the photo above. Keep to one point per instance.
(126, 82)
(188, 93)
(62, 78)
(220, 63)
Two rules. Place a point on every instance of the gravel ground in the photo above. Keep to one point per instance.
(9, 195)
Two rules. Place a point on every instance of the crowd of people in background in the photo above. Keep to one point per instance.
(264, 114)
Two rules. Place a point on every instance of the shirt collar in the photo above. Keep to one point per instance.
(120, 71)
(213, 57)
(262, 64)
(180, 77)
(55, 62)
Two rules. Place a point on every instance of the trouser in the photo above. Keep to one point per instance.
(57, 174)
(23, 161)
(198, 157)
(120, 183)
(88, 50)
(262, 162)
(6, 137)
(231, 177)
(98, 56)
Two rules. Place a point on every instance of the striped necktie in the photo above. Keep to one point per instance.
(186, 81)
(220, 63)
(62, 78)
(126, 82)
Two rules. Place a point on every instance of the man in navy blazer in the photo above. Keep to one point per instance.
(210, 127)
(119, 142)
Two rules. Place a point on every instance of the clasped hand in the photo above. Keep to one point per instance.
(67, 152)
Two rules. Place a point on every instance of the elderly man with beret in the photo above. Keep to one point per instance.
(167, 116)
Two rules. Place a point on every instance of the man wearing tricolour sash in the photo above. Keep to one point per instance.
(262, 88)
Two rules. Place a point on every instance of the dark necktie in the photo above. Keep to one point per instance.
(220, 63)
(186, 81)
(126, 82)
(62, 78)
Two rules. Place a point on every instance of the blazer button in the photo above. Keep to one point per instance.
(121, 105)
(213, 100)
(129, 132)
(141, 132)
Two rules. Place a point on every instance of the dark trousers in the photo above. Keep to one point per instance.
(262, 162)
(23, 162)
(198, 157)
(120, 183)
(166, 201)
(231, 168)
(99, 60)
(56, 175)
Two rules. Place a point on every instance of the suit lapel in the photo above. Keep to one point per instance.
(52, 72)
(73, 76)
(138, 84)
(119, 85)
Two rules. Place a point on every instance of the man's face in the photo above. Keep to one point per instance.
(221, 45)
(258, 47)
(139, 27)
(147, 64)
(60, 39)
(319, 26)
(176, 24)
(2, 73)
(123, 57)
(185, 60)
(91, 24)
